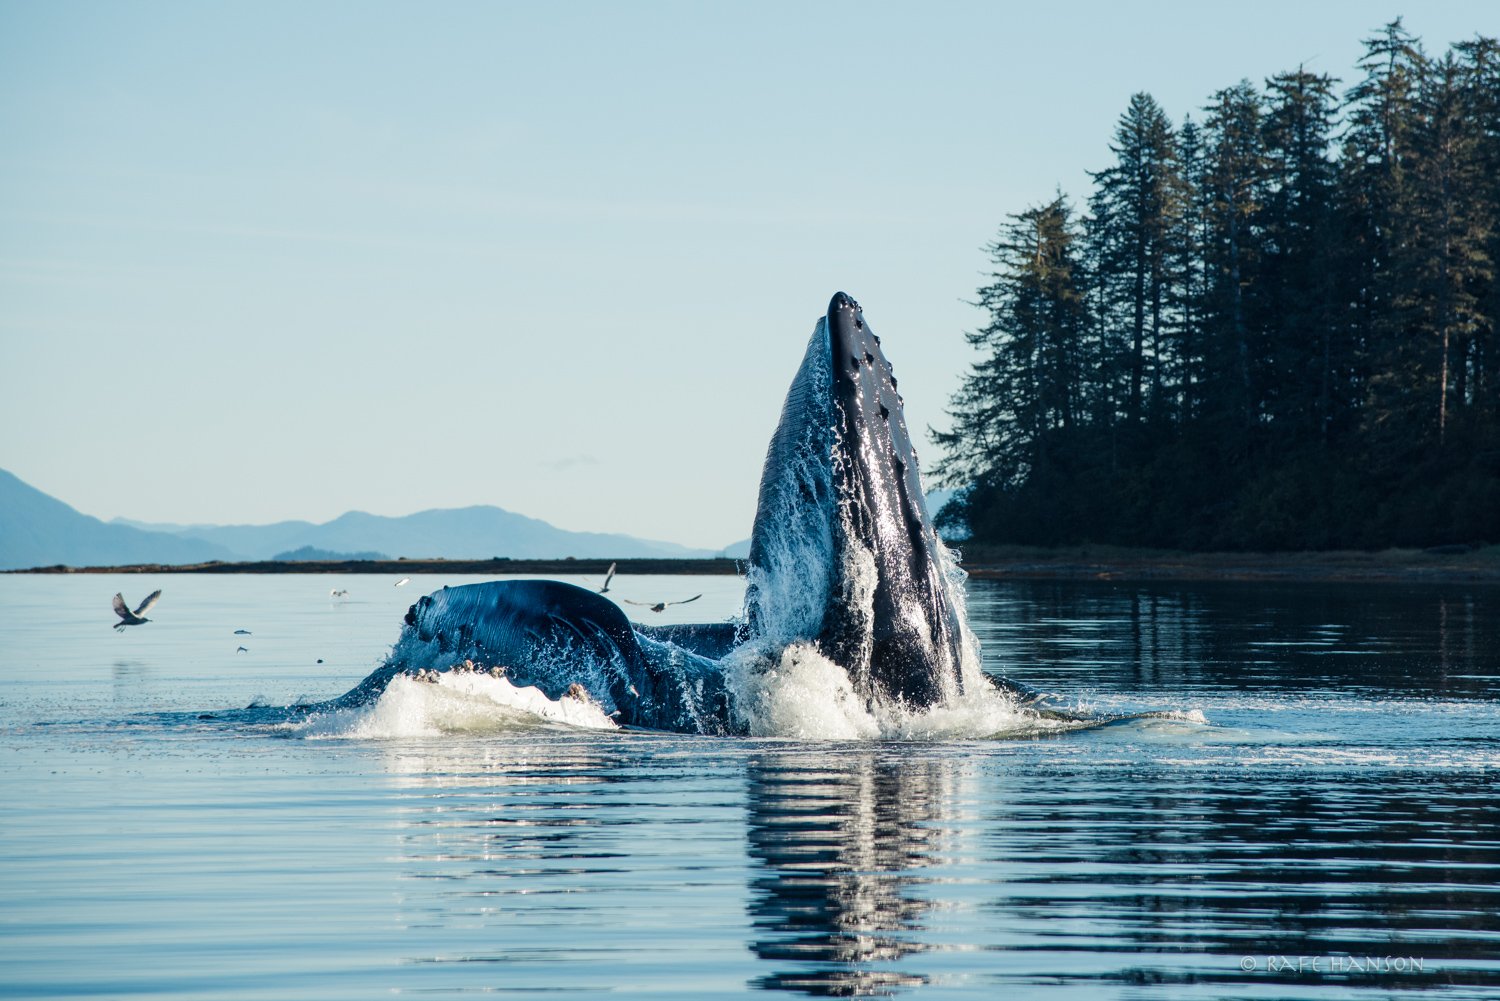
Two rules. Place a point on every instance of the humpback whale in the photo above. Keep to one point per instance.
(844, 563)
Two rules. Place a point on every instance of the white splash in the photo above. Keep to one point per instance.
(458, 702)
(794, 692)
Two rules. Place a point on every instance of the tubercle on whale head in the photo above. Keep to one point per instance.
(874, 422)
(882, 511)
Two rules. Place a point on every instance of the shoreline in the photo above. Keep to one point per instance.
(409, 567)
(1456, 565)
(981, 562)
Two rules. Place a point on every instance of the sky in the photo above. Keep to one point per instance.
(263, 261)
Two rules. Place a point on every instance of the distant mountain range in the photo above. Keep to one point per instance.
(39, 530)
(310, 554)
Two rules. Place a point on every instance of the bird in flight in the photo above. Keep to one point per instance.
(338, 593)
(242, 632)
(403, 580)
(609, 575)
(661, 606)
(135, 618)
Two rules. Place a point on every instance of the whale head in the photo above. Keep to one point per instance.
(844, 553)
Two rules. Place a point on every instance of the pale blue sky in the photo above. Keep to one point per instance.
(280, 260)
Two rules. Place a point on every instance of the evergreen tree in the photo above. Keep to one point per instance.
(1234, 186)
(1020, 402)
(1379, 237)
(1189, 268)
(1136, 205)
(1450, 258)
(1251, 342)
(1306, 379)
(1479, 383)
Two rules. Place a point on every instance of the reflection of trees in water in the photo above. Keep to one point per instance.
(1238, 635)
(840, 838)
(1157, 864)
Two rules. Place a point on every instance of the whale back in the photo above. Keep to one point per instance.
(550, 634)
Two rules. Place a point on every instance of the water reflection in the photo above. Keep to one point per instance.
(1430, 640)
(1355, 817)
(1163, 875)
(841, 840)
(583, 863)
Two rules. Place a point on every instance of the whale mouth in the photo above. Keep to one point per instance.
(904, 640)
(844, 552)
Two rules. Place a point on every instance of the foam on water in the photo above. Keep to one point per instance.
(796, 692)
(457, 703)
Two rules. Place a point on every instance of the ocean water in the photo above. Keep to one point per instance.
(1313, 813)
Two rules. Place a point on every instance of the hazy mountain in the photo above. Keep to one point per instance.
(249, 542)
(477, 533)
(309, 554)
(37, 530)
(736, 550)
(455, 533)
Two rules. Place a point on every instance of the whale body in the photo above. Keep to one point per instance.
(844, 561)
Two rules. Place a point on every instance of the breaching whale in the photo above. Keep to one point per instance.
(844, 561)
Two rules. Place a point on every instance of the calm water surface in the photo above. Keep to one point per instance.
(1332, 831)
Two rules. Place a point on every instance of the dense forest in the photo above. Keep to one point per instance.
(1274, 326)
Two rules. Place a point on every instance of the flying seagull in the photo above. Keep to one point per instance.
(135, 618)
(242, 632)
(403, 580)
(661, 606)
(338, 593)
(608, 576)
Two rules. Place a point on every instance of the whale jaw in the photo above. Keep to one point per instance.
(842, 483)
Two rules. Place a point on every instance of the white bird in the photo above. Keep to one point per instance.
(135, 618)
(609, 575)
(403, 580)
(243, 650)
(338, 593)
(661, 606)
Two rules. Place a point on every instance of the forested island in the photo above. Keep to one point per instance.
(1273, 327)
